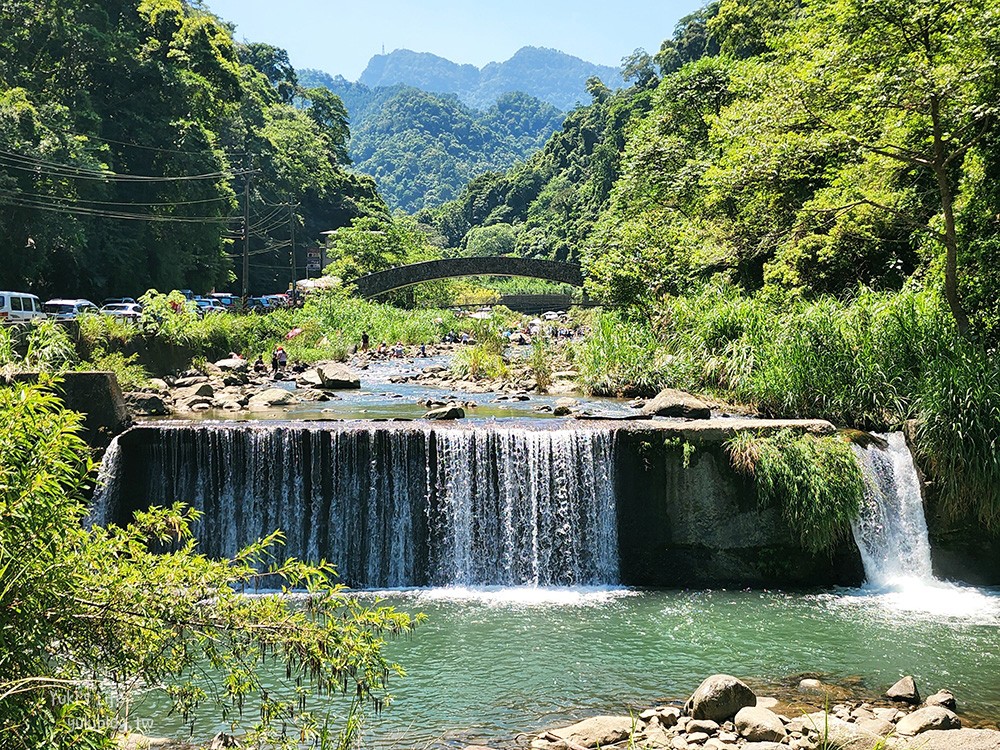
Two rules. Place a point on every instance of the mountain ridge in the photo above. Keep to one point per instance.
(547, 74)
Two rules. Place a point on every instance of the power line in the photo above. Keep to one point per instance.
(83, 211)
(124, 204)
(35, 165)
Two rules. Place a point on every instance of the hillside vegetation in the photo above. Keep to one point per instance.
(106, 189)
(422, 147)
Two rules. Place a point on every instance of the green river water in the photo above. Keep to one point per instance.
(489, 665)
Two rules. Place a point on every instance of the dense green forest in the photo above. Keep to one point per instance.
(546, 74)
(107, 189)
(422, 148)
(800, 146)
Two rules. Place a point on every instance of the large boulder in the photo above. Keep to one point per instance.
(451, 411)
(270, 398)
(330, 375)
(597, 731)
(198, 390)
(232, 364)
(904, 691)
(719, 698)
(146, 404)
(759, 724)
(926, 719)
(673, 403)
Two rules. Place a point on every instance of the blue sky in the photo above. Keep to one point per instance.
(340, 37)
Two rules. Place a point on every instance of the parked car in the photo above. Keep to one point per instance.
(208, 306)
(69, 309)
(15, 306)
(259, 305)
(277, 300)
(119, 301)
(228, 301)
(123, 310)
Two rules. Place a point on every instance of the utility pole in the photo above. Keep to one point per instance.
(291, 226)
(246, 239)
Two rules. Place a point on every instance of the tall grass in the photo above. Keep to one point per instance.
(874, 362)
(815, 481)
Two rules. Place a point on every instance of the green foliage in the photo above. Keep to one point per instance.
(130, 376)
(478, 362)
(815, 481)
(89, 614)
(50, 347)
(76, 127)
(540, 362)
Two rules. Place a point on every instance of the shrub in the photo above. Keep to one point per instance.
(815, 481)
(88, 614)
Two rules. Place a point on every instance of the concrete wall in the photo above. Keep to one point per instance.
(98, 397)
(691, 520)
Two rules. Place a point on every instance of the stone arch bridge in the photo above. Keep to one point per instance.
(375, 284)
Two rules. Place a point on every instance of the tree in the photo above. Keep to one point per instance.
(912, 82)
(87, 614)
(274, 64)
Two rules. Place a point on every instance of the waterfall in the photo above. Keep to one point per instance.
(389, 505)
(106, 485)
(891, 531)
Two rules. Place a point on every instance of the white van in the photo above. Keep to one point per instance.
(16, 306)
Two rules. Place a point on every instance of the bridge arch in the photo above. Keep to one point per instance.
(375, 284)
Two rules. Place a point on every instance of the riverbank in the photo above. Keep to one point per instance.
(725, 713)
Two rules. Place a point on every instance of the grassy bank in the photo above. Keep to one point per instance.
(874, 362)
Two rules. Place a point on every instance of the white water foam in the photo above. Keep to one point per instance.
(891, 534)
(516, 596)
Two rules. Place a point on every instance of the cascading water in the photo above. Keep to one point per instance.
(390, 506)
(891, 531)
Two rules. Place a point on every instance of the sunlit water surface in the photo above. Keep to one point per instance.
(490, 664)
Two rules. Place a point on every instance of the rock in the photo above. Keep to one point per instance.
(431, 369)
(759, 724)
(446, 412)
(673, 403)
(567, 402)
(881, 727)
(187, 381)
(270, 398)
(764, 746)
(696, 738)
(233, 364)
(565, 375)
(679, 743)
(234, 379)
(702, 725)
(330, 375)
(146, 404)
(719, 698)
(953, 739)
(904, 691)
(926, 719)
(222, 741)
(943, 698)
(597, 731)
(198, 390)
(562, 411)
(158, 384)
(763, 702)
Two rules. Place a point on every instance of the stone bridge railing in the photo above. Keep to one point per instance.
(375, 284)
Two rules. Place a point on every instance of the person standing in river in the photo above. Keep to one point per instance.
(364, 341)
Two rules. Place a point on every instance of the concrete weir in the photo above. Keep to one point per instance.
(651, 503)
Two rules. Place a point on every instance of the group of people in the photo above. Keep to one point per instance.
(385, 351)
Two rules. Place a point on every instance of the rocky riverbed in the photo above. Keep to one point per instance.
(724, 713)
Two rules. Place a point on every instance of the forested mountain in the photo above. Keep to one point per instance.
(547, 74)
(809, 147)
(128, 133)
(421, 147)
